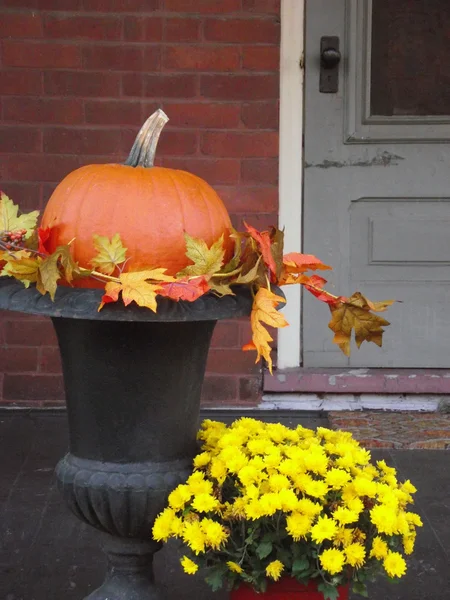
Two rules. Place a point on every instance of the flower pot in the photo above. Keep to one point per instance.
(287, 588)
(133, 380)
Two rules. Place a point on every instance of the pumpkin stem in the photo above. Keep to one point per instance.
(144, 148)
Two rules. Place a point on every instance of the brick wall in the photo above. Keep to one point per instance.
(78, 78)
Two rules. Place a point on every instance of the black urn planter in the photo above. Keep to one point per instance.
(133, 380)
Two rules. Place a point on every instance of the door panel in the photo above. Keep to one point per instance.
(377, 175)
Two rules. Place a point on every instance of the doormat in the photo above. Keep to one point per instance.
(400, 430)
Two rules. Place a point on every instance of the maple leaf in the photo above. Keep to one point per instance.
(10, 220)
(264, 242)
(49, 275)
(315, 284)
(220, 287)
(251, 275)
(207, 261)
(295, 262)
(135, 287)
(354, 315)
(43, 237)
(234, 263)
(359, 300)
(110, 253)
(22, 266)
(264, 311)
(185, 289)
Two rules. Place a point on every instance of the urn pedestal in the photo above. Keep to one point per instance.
(133, 380)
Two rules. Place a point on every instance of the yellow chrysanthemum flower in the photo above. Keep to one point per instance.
(257, 446)
(162, 527)
(337, 478)
(236, 462)
(332, 560)
(270, 503)
(355, 555)
(203, 503)
(317, 461)
(344, 516)
(215, 533)
(308, 507)
(365, 487)
(394, 564)
(189, 566)
(202, 459)
(288, 499)
(408, 542)
(179, 497)
(324, 529)
(298, 525)
(234, 567)
(279, 482)
(384, 519)
(343, 537)
(408, 487)
(414, 519)
(197, 484)
(248, 475)
(317, 489)
(254, 510)
(218, 470)
(379, 548)
(274, 569)
(356, 505)
(194, 536)
(272, 460)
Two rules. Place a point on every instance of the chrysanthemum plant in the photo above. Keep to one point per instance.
(265, 501)
(258, 262)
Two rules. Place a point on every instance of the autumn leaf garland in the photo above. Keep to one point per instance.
(257, 262)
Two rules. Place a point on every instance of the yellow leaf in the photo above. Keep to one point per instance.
(251, 275)
(49, 275)
(11, 221)
(70, 267)
(110, 253)
(359, 300)
(265, 311)
(135, 288)
(154, 274)
(207, 261)
(24, 268)
(354, 315)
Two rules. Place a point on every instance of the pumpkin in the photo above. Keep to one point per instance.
(150, 207)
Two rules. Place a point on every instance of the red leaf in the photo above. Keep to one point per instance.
(43, 237)
(299, 263)
(265, 243)
(185, 289)
(315, 286)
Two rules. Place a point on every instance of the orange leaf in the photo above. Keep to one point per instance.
(264, 311)
(135, 288)
(185, 289)
(315, 286)
(264, 241)
(299, 263)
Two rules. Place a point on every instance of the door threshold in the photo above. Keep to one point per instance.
(358, 381)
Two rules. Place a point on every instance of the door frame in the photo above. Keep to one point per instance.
(291, 166)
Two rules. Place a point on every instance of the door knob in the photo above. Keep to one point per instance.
(330, 57)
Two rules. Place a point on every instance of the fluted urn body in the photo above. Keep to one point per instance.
(133, 381)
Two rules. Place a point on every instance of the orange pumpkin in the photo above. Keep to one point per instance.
(150, 207)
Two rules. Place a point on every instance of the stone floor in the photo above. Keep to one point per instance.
(401, 430)
(47, 554)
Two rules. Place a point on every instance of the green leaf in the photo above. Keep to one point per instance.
(215, 577)
(264, 549)
(300, 565)
(110, 253)
(11, 221)
(330, 592)
(360, 588)
(49, 275)
(207, 261)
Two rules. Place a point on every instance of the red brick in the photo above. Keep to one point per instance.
(271, 7)
(50, 360)
(242, 31)
(160, 86)
(30, 333)
(171, 143)
(214, 171)
(21, 82)
(262, 221)
(19, 139)
(82, 141)
(47, 191)
(226, 335)
(260, 170)
(83, 28)
(229, 361)
(26, 195)
(182, 30)
(250, 388)
(33, 387)
(219, 390)
(121, 58)
(40, 54)
(201, 58)
(68, 111)
(20, 3)
(260, 115)
(18, 360)
(259, 199)
(236, 144)
(65, 5)
(121, 5)
(143, 29)
(239, 87)
(113, 112)
(37, 167)
(203, 115)
(203, 6)
(73, 83)
(19, 25)
(261, 58)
